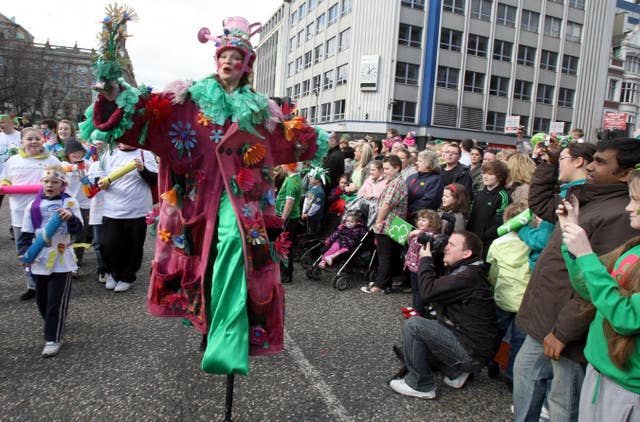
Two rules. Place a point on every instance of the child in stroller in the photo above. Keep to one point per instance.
(344, 239)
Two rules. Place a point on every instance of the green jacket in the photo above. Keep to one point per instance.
(592, 281)
(291, 188)
(509, 273)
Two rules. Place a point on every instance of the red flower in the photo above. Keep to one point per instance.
(177, 300)
(282, 245)
(156, 108)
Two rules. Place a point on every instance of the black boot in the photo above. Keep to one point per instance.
(28, 295)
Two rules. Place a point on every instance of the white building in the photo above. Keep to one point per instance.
(446, 68)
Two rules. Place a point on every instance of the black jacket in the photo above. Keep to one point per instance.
(465, 304)
(487, 215)
(459, 174)
(334, 164)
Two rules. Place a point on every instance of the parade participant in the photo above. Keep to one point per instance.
(53, 266)
(9, 140)
(217, 140)
(288, 207)
(66, 130)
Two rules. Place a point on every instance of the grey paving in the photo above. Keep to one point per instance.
(118, 363)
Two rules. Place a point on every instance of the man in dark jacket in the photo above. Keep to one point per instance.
(551, 313)
(465, 335)
(333, 163)
(453, 171)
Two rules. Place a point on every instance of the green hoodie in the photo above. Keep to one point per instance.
(592, 281)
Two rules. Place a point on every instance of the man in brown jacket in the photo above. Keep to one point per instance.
(551, 312)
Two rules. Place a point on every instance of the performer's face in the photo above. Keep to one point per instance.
(230, 63)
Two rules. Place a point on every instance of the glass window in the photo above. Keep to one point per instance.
(453, 6)
(499, 86)
(342, 73)
(312, 5)
(526, 55)
(308, 59)
(318, 52)
(541, 124)
(309, 31)
(407, 73)
(477, 45)
(632, 64)
(306, 87)
(578, 4)
(291, 70)
(292, 44)
(410, 35)
(574, 32)
(448, 77)
(506, 15)
(414, 4)
(315, 84)
(404, 111)
(502, 50)
(612, 91)
(552, 26)
(298, 64)
(450, 39)
(346, 7)
(569, 65)
(328, 80)
(565, 97)
(325, 112)
(529, 21)
(331, 47)
(333, 14)
(312, 114)
(302, 11)
(294, 17)
(629, 93)
(549, 60)
(338, 109)
(344, 39)
(296, 90)
(544, 94)
(473, 82)
(522, 90)
(320, 23)
(496, 121)
(300, 38)
(481, 9)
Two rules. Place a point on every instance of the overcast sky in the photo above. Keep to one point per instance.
(164, 45)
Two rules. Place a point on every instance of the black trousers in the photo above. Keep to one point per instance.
(123, 246)
(52, 297)
(388, 251)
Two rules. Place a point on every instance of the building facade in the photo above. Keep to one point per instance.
(444, 68)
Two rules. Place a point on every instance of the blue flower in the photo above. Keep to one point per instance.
(183, 137)
(246, 210)
(178, 241)
(216, 136)
(270, 197)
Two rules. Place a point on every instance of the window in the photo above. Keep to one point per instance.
(342, 72)
(632, 64)
(296, 91)
(578, 4)
(304, 112)
(309, 33)
(333, 14)
(612, 91)
(496, 121)
(506, 15)
(574, 32)
(565, 97)
(473, 81)
(453, 6)
(522, 90)
(502, 50)
(316, 83)
(306, 84)
(448, 77)
(544, 94)
(320, 23)
(291, 70)
(552, 26)
(629, 93)
(302, 11)
(477, 45)
(294, 17)
(407, 73)
(410, 35)
(312, 5)
(338, 109)
(307, 59)
(317, 53)
(414, 4)
(569, 65)
(481, 9)
(330, 50)
(292, 44)
(403, 111)
(529, 21)
(526, 55)
(344, 39)
(499, 86)
(328, 80)
(450, 39)
(325, 112)
(298, 64)
(540, 124)
(312, 114)
(346, 7)
(300, 38)
(289, 91)
(549, 60)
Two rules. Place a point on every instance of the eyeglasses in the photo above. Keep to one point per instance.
(562, 157)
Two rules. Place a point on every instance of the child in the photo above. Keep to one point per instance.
(509, 274)
(344, 239)
(455, 200)
(25, 168)
(427, 221)
(336, 201)
(76, 167)
(410, 140)
(489, 203)
(313, 206)
(52, 268)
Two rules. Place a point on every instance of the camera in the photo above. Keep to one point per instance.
(440, 240)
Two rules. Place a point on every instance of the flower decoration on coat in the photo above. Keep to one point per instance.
(164, 235)
(255, 232)
(178, 241)
(183, 137)
(268, 199)
(157, 108)
(246, 210)
(203, 120)
(152, 216)
(280, 248)
(258, 336)
(297, 122)
(173, 196)
(177, 301)
(245, 179)
(253, 154)
(217, 135)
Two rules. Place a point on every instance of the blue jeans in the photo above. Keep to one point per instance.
(417, 302)
(532, 371)
(430, 345)
(506, 324)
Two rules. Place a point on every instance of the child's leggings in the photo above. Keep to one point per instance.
(335, 249)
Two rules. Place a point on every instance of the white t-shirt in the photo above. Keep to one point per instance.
(7, 142)
(129, 196)
(96, 208)
(74, 183)
(24, 171)
(465, 157)
(62, 262)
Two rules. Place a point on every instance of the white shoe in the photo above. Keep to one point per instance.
(401, 387)
(457, 382)
(111, 283)
(51, 348)
(102, 278)
(122, 286)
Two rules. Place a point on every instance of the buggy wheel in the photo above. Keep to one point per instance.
(341, 282)
(306, 260)
(313, 273)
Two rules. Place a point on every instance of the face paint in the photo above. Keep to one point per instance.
(237, 66)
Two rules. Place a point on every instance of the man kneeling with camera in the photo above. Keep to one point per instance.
(464, 337)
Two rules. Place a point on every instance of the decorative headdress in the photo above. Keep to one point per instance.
(54, 172)
(320, 174)
(107, 66)
(237, 34)
(9, 116)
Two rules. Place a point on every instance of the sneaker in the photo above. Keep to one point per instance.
(122, 286)
(51, 348)
(110, 284)
(102, 278)
(457, 382)
(401, 387)
(370, 290)
(28, 295)
(544, 413)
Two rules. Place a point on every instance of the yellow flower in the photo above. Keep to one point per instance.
(164, 235)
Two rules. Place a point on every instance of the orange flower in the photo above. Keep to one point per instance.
(164, 235)
(254, 155)
(203, 120)
(296, 123)
(171, 196)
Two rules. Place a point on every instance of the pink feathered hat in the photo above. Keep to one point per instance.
(237, 33)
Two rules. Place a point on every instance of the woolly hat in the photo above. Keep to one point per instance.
(54, 172)
(73, 145)
(237, 34)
